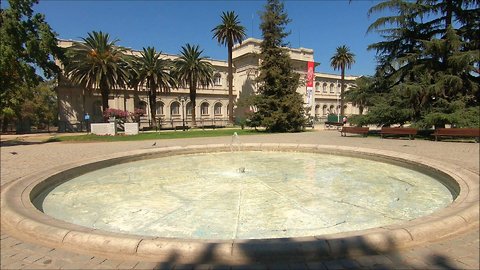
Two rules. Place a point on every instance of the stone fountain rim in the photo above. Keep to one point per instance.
(22, 219)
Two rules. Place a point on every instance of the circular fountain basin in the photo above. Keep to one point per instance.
(230, 200)
(245, 195)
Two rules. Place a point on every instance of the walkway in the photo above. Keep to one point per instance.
(456, 252)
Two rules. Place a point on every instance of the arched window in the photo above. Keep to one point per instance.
(332, 109)
(159, 108)
(317, 87)
(217, 79)
(97, 109)
(143, 105)
(339, 88)
(324, 87)
(317, 108)
(324, 110)
(217, 109)
(175, 108)
(189, 108)
(204, 108)
(332, 86)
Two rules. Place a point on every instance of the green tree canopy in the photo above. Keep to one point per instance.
(228, 33)
(98, 62)
(278, 106)
(153, 72)
(428, 63)
(27, 44)
(193, 69)
(341, 60)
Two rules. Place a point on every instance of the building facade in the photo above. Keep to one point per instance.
(174, 108)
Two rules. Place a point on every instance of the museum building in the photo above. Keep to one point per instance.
(174, 107)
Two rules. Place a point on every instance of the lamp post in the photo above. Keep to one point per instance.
(183, 99)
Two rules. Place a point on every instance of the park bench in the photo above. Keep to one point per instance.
(329, 124)
(209, 126)
(457, 132)
(411, 132)
(181, 127)
(356, 130)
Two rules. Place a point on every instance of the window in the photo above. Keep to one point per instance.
(189, 108)
(159, 108)
(324, 110)
(339, 87)
(97, 108)
(324, 87)
(332, 109)
(332, 86)
(175, 108)
(204, 108)
(218, 108)
(317, 87)
(317, 108)
(143, 105)
(217, 79)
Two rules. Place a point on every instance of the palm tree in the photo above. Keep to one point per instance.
(153, 72)
(193, 69)
(97, 62)
(227, 33)
(342, 59)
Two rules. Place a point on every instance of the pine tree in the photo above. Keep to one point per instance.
(428, 63)
(279, 108)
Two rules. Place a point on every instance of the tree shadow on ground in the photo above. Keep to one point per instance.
(322, 253)
(17, 142)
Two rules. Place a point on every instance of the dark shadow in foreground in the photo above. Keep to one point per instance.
(349, 253)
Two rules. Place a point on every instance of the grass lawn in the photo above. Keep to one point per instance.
(155, 135)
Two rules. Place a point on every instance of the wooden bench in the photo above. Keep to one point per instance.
(457, 132)
(333, 124)
(209, 126)
(181, 128)
(356, 130)
(411, 132)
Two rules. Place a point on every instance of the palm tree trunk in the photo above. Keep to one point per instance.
(193, 96)
(342, 81)
(153, 104)
(105, 93)
(230, 84)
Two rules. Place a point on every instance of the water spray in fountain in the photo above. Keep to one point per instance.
(235, 145)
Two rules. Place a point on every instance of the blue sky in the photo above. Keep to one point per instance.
(168, 25)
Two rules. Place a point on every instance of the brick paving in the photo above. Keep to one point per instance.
(459, 251)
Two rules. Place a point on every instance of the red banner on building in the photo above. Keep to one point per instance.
(310, 74)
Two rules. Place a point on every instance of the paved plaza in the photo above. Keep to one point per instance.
(30, 155)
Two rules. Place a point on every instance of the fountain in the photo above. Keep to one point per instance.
(153, 202)
(282, 195)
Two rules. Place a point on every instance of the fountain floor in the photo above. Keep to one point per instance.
(245, 195)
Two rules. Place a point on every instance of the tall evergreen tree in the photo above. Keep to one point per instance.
(279, 108)
(229, 32)
(428, 62)
(26, 42)
(359, 94)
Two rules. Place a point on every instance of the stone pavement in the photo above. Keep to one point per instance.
(459, 251)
